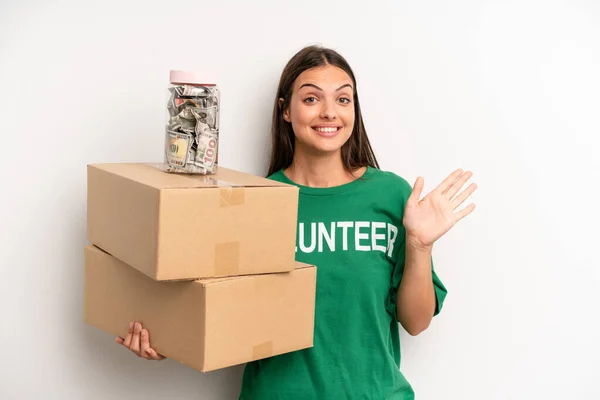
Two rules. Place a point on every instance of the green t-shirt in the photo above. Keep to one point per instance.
(353, 233)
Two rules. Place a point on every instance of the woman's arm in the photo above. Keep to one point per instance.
(425, 221)
(416, 300)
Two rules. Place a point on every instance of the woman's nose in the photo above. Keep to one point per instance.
(328, 110)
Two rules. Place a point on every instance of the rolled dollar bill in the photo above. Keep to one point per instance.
(186, 113)
(173, 124)
(189, 169)
(195, 91)
(172, 105)
(187, 125)
(186, 103)
(207, 116)
(201, 128)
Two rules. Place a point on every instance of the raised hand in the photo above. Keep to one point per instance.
(428, 219)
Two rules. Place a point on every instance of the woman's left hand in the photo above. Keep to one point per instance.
(428, 219)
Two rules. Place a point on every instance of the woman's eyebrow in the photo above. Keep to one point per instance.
(318, 88)
(343, 86)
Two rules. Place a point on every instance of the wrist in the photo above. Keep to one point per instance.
(414, 244)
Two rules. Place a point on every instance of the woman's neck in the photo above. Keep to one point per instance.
(320, 171)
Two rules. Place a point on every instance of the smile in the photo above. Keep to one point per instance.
(327, 130)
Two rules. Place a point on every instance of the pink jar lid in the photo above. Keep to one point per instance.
(192, 78)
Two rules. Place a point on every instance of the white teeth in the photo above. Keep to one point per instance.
(326, 129)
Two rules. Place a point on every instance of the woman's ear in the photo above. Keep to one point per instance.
(286, 111)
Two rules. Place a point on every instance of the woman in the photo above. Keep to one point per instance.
(368, 232)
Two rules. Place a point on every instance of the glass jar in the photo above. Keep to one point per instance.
(192, 131)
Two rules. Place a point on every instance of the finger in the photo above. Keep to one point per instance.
(464, 195)
(459, 183)
(416, 192)
(145, 343)
(154, 355)
(464, 212)
(135, 340)
(127, 341)
(442, 187)
(119, 340)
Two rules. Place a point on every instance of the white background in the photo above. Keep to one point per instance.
(509, 89)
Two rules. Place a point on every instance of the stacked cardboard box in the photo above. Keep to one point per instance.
(206, 263)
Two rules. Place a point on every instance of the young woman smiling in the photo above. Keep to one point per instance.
(369, 233)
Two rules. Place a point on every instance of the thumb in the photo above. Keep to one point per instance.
(416, 192)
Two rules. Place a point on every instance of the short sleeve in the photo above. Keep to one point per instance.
(398, 269)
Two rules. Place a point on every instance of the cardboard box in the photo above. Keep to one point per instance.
(206, 324)
(172, 226)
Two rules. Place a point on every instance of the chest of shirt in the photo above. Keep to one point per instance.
(352, 242)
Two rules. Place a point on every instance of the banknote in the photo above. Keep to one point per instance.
(177, 149)
(206, 153)
(188, 125)
(188, 169)
(195, 91)
(179, 102)
(206, 115)
(172, 104)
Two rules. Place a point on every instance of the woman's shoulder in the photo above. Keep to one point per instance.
(392, 181)
(279, 176)
(276, 176)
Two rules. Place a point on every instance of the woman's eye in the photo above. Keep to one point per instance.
(345, 100)
(310, 99)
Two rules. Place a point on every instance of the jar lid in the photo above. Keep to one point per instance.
(192, 77)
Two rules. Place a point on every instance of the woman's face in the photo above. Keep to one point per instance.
(321, 109)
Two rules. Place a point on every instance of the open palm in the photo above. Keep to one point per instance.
(428, 219)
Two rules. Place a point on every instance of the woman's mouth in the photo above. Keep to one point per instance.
(327, 131)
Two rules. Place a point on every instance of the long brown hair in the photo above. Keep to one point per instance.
(356, 152)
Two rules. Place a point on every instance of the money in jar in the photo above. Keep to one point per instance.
(192, 130)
